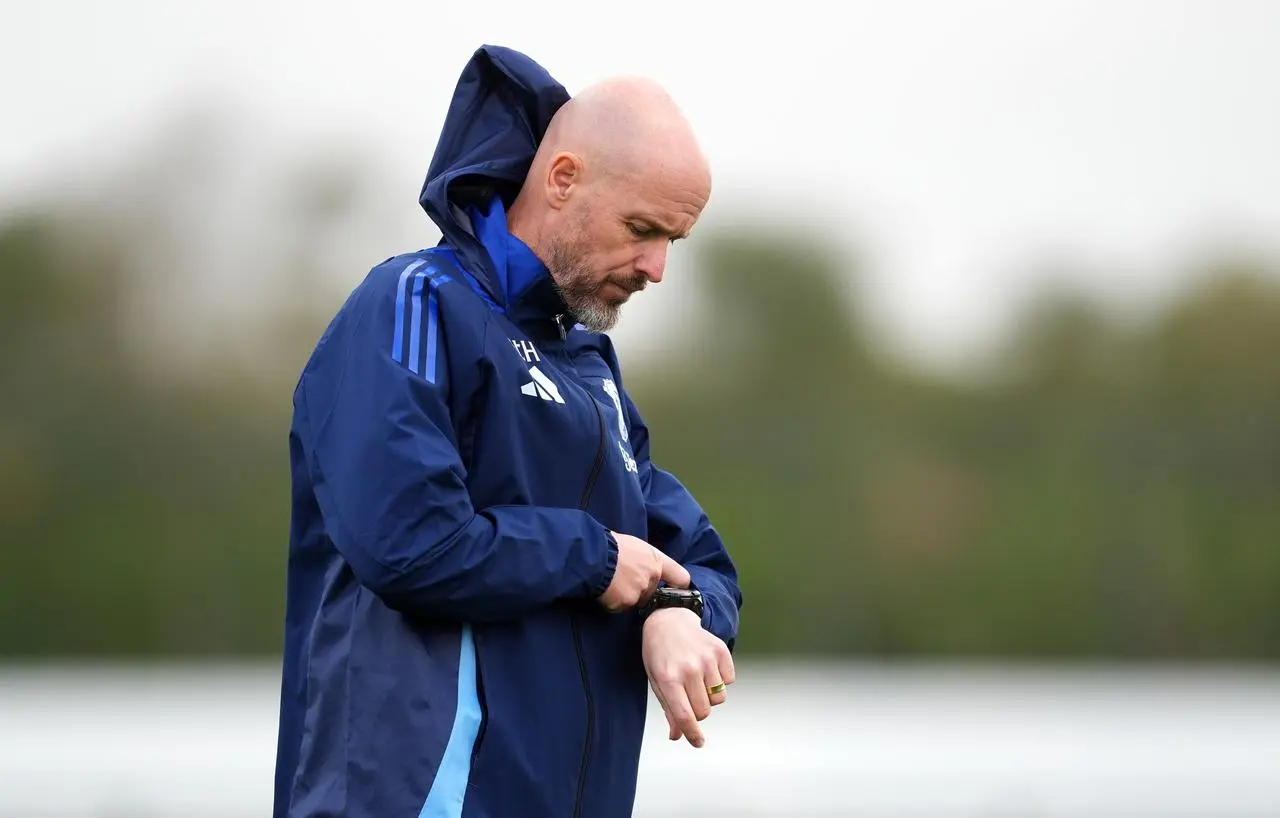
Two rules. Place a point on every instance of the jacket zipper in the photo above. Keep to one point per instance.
(577, 632)
(484, 708)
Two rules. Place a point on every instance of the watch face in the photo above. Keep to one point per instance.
(666, 597)
(685, 598)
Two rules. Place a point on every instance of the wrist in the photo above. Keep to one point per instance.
(669, 614)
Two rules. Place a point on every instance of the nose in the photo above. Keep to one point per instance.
(653, 262)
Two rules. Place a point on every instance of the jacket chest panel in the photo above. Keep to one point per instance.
(547, 400)
(552, 430)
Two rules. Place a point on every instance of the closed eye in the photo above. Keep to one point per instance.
(644, 231)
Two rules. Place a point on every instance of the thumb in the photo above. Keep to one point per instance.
(674, 573)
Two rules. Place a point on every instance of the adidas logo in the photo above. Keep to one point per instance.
(541, 387)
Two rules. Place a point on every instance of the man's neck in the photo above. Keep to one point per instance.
(521, 224)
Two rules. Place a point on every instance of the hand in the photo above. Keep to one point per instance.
(640, 568)
(683, 660)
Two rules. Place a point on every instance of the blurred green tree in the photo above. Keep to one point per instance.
(137, 515)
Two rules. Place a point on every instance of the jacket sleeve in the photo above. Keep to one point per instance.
(390, 482)
(679, 526)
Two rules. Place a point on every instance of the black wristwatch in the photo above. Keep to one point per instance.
(688, 598)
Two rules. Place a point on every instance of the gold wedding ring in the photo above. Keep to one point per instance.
(716, 689)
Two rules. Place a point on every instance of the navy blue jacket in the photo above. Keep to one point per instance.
(460, 451)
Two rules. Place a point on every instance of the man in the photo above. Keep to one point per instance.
(487, 572)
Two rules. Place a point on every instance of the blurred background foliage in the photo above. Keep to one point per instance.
(1104, 488)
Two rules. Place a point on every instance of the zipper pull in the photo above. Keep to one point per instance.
(560, 325)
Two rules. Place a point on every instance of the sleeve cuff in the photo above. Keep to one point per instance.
(610, 565)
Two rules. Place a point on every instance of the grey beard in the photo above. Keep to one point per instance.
(588, 309)
(572, 282)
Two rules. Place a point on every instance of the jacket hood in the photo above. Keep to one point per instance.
(500, 111)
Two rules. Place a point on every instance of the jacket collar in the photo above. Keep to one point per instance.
(528, 295)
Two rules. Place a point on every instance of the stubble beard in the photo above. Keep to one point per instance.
(580, 289)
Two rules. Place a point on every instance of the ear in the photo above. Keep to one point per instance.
(564, 176)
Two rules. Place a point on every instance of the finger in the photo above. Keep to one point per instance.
(724, 664)
(612, 602)
(673, 730)
(653, 576)
(674, 573)
(695, 687)
(681, 712)
(651, 586)
(712, 679)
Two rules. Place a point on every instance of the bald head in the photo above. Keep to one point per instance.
(623, 125)
(617, 178)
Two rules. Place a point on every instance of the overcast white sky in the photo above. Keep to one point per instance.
(956, 143)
